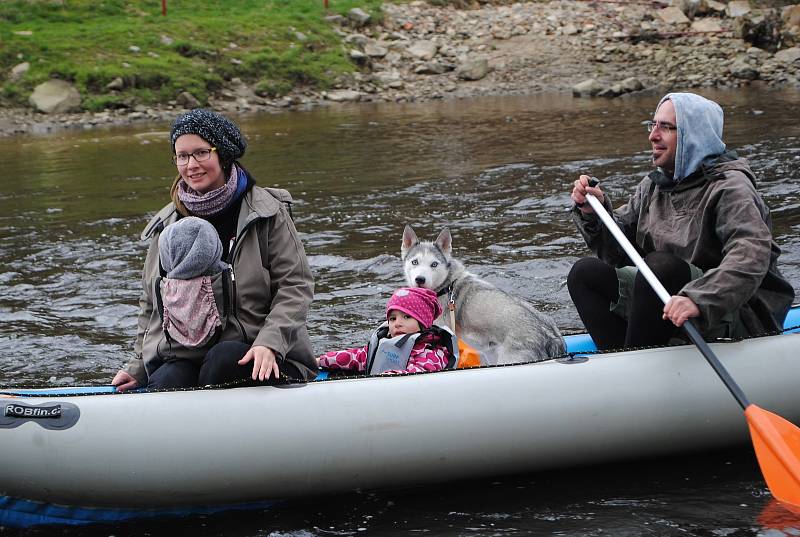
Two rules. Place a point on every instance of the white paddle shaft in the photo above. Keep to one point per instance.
(623, 241)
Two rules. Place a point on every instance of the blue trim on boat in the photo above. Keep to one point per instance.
(19, 513)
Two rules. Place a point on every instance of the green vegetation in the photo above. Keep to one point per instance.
(273, 44)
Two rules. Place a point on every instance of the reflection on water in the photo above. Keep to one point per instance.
(496, 171)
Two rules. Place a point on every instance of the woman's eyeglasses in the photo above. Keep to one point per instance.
(663, 127)
(182, 159)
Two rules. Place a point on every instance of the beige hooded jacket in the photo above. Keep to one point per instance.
(265, 302)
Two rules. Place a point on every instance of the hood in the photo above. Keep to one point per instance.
(699, 132)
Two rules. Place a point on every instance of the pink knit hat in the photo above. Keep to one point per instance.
(419, 302)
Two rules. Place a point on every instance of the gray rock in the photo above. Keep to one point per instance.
(134, 48)
(740, 68)
(631, 84)
(300, 36)
(374, 50)
(187, 100)
(587, 88)
(688, 7)
(335, 19)
(359, 40)
(716, 7)
(473, 69)
(738, 8)
(18, 71)
(166, 40)
(343, 96)
(673, 15)
(432, 68)
(357, 55)
(358, 17)
(788, 55)
(706, 25)
(55, 97)
(424, 50)
(386, 77)
(791, 17)
(569, 29)
(116, 84)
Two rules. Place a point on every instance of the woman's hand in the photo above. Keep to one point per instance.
(579, 191)
(264, 362)
(123, 381)
(679, 309)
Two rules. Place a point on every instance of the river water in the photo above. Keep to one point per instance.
(496, 171)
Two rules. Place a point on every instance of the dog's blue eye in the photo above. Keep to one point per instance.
(435, 264)
(414, 262)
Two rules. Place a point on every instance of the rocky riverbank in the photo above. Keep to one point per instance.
(595, 49)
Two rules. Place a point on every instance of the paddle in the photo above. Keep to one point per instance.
(776, 440)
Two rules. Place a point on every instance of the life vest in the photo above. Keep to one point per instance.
(388, 354)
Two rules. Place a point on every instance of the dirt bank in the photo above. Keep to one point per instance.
(590, 48)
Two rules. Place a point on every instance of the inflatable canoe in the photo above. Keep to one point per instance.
(82, 455)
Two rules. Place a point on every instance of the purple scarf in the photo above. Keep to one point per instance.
(214, 201)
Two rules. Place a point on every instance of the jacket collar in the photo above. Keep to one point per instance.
(257, 203)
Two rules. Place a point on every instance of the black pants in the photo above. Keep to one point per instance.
(594, 287)
(219, 366)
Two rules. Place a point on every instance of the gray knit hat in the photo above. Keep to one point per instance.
(190, 248)
(214, 128)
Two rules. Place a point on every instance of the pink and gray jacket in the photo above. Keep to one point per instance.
(428, 354)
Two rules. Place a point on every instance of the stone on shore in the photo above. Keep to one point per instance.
(587, 88)
(187, 100)
(673, 15)
(116, 84)
(706, 25)
(358, 17)
(341, 96)
(738, 8)
(788, 55)
(473, 69)
(18, 71)
(55, 97)
(424, 50)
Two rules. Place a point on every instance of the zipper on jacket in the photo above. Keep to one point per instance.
(231, 255)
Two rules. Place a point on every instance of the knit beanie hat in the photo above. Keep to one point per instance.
(419, 302)
(215, 129)
(190, 248)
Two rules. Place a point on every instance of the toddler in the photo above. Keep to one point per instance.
(408, 342)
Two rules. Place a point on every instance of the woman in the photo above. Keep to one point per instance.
(262, 300)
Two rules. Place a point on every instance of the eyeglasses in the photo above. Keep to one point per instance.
(666, 128)
(182, 159)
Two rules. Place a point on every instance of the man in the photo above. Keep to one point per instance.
(701, 226)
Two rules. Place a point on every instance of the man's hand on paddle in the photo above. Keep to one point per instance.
(579, 192)
(679, 309)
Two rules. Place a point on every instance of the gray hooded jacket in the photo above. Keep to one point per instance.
(710, 215)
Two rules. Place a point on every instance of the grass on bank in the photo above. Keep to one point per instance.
(195, 48)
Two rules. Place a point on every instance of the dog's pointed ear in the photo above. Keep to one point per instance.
(445, 241)
(409, 239)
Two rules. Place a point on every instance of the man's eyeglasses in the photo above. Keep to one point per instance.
(182, 159)
(663, 127)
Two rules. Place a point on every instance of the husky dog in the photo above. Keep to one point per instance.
(503, 328)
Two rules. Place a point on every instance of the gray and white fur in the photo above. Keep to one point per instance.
(503, 328)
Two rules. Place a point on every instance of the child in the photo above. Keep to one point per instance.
(409, 343)
(190, 253)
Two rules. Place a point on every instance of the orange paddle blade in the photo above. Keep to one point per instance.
(777, 445)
